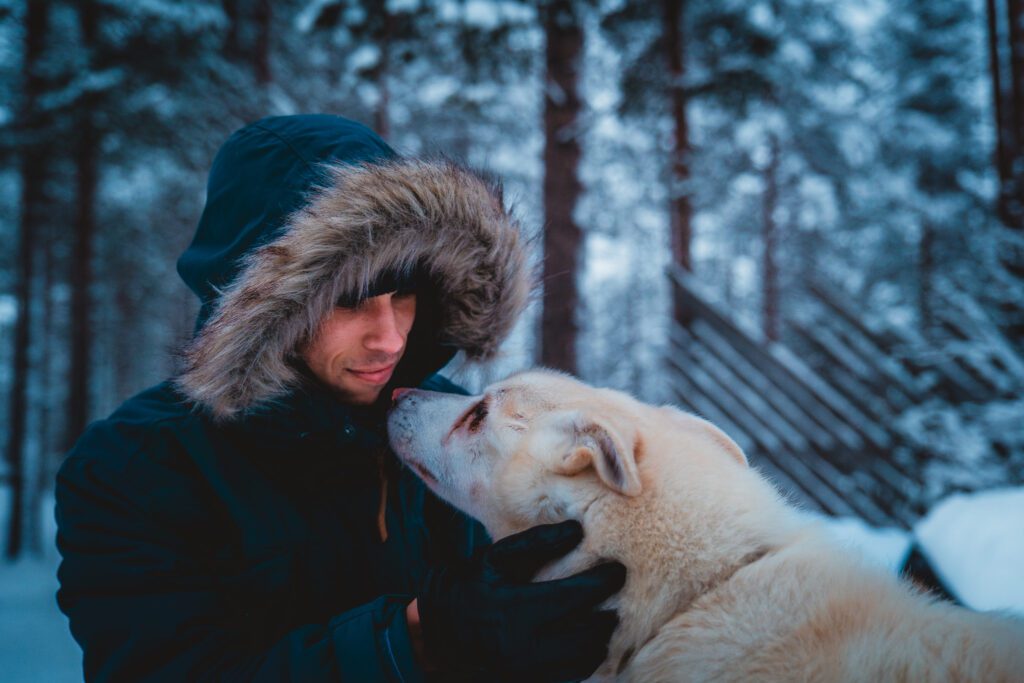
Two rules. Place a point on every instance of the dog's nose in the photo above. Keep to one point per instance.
(397, 393)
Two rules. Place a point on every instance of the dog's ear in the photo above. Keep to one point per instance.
(595, 444)
(728, 445)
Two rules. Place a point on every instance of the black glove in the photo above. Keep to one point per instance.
(483, 616)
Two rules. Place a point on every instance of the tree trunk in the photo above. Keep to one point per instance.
(381, 114)
(770, 273)
(125, 362)
(680, 211)
(1003, 127)
(33, 172)
(1013, 191)
(247, 40)
(86, 160)
(562, 188)
(926, 271)
(232, 41)
(261, 49)
(81, 282)
(48, 454)
(1015, 9)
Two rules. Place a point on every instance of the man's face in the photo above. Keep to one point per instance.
(356, 349)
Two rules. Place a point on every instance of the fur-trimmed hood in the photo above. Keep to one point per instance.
(335, 211)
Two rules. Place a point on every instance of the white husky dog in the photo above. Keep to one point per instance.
(726, 582)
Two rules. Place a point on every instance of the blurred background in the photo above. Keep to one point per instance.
(801, 219)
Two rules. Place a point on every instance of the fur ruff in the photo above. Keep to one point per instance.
(366, 220)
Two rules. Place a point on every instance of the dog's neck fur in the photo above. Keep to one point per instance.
(672, 566)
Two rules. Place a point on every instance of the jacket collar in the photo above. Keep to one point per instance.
(312, 413)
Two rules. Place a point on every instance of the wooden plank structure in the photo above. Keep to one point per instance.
(898, 359)
(816, 414)
(818, 445)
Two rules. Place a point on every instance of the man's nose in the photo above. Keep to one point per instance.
(384, 335)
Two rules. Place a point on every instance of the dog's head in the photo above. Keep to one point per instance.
(539, 447)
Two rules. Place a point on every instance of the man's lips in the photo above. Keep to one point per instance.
(374, 375)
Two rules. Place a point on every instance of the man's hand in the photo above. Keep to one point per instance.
(484, 616)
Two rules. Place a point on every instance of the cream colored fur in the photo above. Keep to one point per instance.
(726, 581)
(366, 220)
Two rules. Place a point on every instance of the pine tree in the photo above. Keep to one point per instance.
(933, 54)
(753, 95)
(562, 188)
(33, 170)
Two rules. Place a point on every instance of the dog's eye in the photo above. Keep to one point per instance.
(477, 415)
(474, 416)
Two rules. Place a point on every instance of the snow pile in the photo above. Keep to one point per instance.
(885, 547)
(975, 543)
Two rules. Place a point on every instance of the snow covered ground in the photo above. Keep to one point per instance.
(35, 644)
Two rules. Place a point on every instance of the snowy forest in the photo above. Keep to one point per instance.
(803, 219)
(800, 219)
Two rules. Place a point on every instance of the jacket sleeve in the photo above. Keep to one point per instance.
(144, 611)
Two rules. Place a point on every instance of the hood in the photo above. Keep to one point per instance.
(304, 211)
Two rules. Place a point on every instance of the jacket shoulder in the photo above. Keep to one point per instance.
(141, 422)
(137, 461)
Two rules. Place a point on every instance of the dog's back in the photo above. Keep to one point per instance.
(812, 612)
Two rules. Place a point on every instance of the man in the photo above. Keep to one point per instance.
(246, 521)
